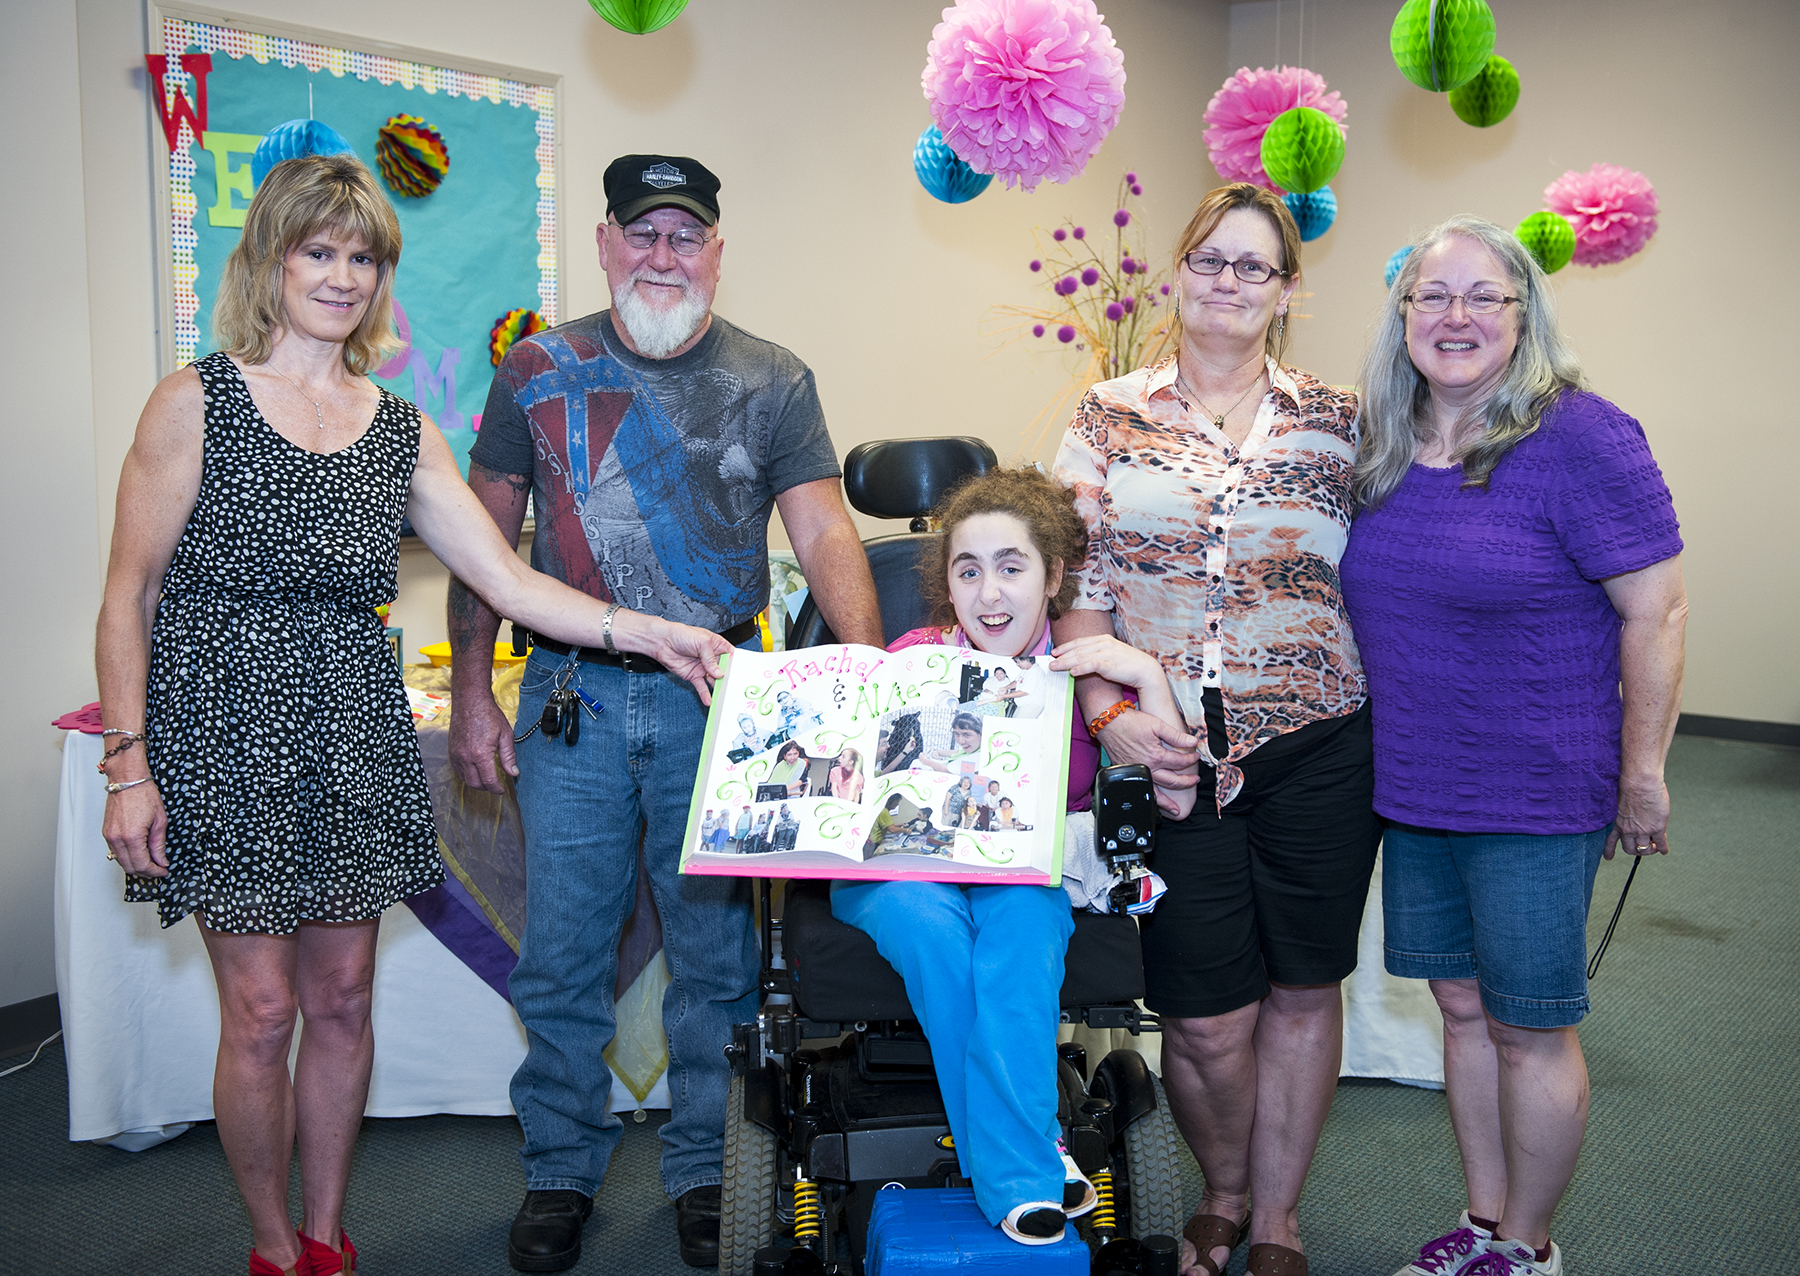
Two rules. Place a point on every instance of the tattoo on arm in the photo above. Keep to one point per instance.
(467, 615)
(519, 483)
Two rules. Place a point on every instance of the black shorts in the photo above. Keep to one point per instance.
(1273, 890)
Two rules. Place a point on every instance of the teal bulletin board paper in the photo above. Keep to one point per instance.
(479, 245)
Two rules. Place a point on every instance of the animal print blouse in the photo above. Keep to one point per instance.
(1221, 561)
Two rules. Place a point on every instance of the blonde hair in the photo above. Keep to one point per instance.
(1396, 398)
(1212, 211)
(301, 198)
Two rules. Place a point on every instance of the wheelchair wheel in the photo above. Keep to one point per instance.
(1153, 1171)
(747, 1196)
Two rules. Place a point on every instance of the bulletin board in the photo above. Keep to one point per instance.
(483, 243)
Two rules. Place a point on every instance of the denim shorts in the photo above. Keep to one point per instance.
(1506, 909)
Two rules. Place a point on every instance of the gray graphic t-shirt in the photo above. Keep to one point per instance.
(652, 479)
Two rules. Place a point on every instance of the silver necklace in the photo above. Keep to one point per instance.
(318, 408)
(1219, 419)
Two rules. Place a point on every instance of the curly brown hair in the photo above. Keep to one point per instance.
(1047, 509)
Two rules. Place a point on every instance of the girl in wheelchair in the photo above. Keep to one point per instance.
(983, 965)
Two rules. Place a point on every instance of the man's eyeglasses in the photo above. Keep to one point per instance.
(1250, 270)
(686, 241)
(1435, 301)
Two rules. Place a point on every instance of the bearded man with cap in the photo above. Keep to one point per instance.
(653, 439)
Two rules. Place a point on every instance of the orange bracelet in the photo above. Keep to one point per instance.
(1105, 718)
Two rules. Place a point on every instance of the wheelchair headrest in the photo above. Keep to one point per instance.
(904, 478)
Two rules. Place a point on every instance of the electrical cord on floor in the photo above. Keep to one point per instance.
(20, 1067)
(1600, 951)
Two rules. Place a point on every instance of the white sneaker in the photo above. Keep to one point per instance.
(1453, 1254)
(1079, 1195)
(1516, 1258)
(1034, 1223)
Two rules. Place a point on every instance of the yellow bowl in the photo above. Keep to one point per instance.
(438, 653)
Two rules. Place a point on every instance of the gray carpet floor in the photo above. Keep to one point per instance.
(1692, 1159)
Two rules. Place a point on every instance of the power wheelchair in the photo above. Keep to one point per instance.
(833, 1095)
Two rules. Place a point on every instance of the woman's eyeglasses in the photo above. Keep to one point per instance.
(1250, 270)
(1435, 301)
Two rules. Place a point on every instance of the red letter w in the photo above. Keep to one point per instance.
(196, 65)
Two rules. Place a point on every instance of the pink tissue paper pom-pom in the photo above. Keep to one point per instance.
(1612, 209)
(1244, 107)
(1024, 89)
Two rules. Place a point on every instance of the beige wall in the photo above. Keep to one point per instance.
(1688, 336)
(808, 111)
(832, 247)
(49, 574)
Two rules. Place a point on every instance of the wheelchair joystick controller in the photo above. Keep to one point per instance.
(1125, 817)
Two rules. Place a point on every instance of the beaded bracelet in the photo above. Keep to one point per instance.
(1105, 718)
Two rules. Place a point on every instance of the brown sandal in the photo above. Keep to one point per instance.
(1275, 1260)
(1208, 1232)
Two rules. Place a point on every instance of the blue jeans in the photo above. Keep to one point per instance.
(585, 808)
(983, 967)
(1506, 909)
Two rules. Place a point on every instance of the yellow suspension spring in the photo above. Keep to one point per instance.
(1103, 1218)
(807, 1215)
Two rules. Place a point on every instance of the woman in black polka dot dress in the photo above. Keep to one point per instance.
(263, 773)
(277, 726)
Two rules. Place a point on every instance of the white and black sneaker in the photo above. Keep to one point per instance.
(1035, 1223)
(1515, 1258)
(1452, 1254)
(1079, 1195)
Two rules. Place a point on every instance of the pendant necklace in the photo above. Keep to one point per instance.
(318, 408)
(1218, 420)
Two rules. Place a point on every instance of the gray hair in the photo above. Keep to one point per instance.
(1396, 397)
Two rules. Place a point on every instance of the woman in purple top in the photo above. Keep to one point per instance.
(1513, 576)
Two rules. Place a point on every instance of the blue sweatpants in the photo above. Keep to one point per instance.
(983, 967)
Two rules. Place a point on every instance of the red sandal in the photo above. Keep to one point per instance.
(326, 1261)
(260, 1266)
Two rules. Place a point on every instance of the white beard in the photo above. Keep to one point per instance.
(659, 331)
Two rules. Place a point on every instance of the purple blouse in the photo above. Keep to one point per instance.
(1490, 646)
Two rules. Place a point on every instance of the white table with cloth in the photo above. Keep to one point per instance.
(140, 1010)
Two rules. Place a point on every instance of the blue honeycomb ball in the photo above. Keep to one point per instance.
(1313, 212)
(1394, 265)
(942, 173)
(292, 140)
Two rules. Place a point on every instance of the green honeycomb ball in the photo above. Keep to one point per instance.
(1302, 149)
(639, 17)
(1442, 44)
(1490, 96)
(1549, 238)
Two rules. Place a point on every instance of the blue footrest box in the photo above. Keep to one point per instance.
(913, 1231)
